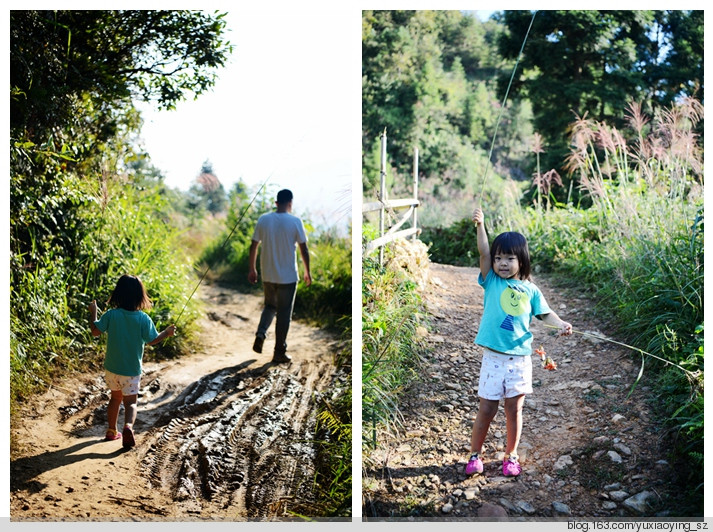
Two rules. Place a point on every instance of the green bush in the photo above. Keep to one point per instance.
(328, 300)
(53, 282)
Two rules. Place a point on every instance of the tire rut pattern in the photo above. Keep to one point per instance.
(238, 444)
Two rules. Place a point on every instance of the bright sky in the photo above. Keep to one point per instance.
(286, 109)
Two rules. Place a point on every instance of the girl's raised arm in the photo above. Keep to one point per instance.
(483, 245)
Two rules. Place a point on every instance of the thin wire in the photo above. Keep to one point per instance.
(502, 108)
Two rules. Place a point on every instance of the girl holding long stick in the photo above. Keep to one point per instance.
(511, 301)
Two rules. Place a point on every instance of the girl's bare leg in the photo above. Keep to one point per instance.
(486, 413)
(513, 422)
(112, 412)
(130, 410)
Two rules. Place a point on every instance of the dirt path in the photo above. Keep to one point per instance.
(223, 434)
(586, 449)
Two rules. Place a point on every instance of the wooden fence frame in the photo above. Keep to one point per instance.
(384, 203)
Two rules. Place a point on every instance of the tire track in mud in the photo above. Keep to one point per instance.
(222, 435)
(237, 446)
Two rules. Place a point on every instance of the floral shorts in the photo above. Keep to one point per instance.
(127, 385)
(503, 376)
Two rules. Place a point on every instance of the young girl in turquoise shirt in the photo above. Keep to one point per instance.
(510, 303)
(128, 329)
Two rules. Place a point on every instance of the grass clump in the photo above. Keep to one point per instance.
(393, 328)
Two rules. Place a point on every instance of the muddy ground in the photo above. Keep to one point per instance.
(222, 434)
(588, 449)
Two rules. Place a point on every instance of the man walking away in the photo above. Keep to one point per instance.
(278, 232)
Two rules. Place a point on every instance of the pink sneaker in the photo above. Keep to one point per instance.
(475, 465)
(511, 467)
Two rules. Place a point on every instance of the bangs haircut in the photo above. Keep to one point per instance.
(512, 243)
(130, 294)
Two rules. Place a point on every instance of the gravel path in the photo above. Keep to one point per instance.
(587, 450)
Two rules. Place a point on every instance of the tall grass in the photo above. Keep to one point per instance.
(333, 479)
(120, 229)
(393, 327)
(640, 246)
(327, 302)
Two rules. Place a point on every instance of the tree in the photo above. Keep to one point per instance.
(683, 65)
(594, 63)
(207, 191)
(59, 59)
(73, 78)
(428, 80)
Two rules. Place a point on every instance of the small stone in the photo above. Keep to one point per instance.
(640, 503)
(447, 508)
(508, 505)
(608, 505)
(470, 493)
(618, 418)
(618, 495)
(622, 448)
(526, 507)
(615, 486)
(615, 457)
(458, 493)
(563, 462)
(561, 508)
(491, 510)
(600, 440)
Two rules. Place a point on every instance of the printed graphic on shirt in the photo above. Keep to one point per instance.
(514, 302)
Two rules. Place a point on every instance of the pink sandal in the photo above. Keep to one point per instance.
(111, 435)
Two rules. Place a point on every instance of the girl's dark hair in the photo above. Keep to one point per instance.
(130, 294)
(512, 243)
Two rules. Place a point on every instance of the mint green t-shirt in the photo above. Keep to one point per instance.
(127, 332)
(509, 306)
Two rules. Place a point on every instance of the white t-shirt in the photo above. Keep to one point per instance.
(278, 232)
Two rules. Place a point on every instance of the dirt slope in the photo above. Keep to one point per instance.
(223, 434)
(586, 449)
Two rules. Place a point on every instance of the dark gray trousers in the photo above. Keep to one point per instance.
(279, 302)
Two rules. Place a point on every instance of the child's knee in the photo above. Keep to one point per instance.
(130, 399)
(488, 407)
(513, 405)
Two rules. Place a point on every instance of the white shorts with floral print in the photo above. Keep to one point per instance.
(503, 376)
(127, 385)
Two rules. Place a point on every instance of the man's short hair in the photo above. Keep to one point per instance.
(284, 196)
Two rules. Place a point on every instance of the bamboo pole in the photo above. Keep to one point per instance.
(382, 195)
(415, 191)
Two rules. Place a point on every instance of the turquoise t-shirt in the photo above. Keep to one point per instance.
(509, 306)
(127, 331)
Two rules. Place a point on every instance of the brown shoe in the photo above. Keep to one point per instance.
(281, 358)
(257, 346)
